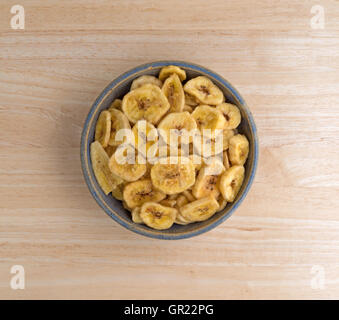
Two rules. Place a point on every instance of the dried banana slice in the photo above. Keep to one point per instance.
(117, 192)
(207, 180)
(119, 122)
(168, 203)
(124, 163)
(173, 175)
(124, 204)
(99, 158)
(177, 126)
(181, 220)
(208, 117)
(191, 100)
(204, 90)
(187, 108)
(231, 113)
(231, 181)
(116, 104)
(165, 72)
(103, 128)
(227, 135)
(174, 93)
(157, 216)
(210, 143)
(181, 201)
(147, 102)
(225, 160)
(139, 82)
(146, 135)
(136, 215)
(238, 149)
(222, 203)
(200, 210)
(138, 192)
(188, 195)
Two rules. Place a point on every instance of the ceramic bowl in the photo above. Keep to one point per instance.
(117, 89)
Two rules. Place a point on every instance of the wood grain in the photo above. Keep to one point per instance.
(50, 74)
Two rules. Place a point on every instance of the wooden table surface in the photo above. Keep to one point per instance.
(283, 242)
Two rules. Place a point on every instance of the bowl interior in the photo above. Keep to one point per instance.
(117, 89)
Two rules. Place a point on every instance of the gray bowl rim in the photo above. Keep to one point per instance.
(85, 157)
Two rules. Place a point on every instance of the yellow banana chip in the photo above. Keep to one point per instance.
(165, 72)
(138, 192)
(147, 102)
(174, 93)
(103, 128)
(204, 90)
(157, 216)
(200, 210)
(173, 175)
(99, 158)
(231, 181)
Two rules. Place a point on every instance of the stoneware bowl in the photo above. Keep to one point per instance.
(117, 89)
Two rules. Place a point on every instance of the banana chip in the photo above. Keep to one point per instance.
(119, 122)
(188, 195)
(200, 210)
(191, 100)
(204, 90)
(174, 93)
(103, 128)
(181, 220)
(99, 158)
(207, 181)
(238, 149)
(157, 216)
(208, 117)
(222, 203)
(187, 108)
(179, 125)
(173, 175)
(227, 135)
(116, 104)
(168, 203)
(165, 72)
(225, 160)
(181, 201)
(147, 102)
(138, 192)
(125, 164)
(231, 114)
(146, 135)
(136, 215)
(117, 192)
(231, 181)
(139, 82)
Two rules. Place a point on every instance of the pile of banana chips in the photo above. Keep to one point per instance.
(170, 149)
